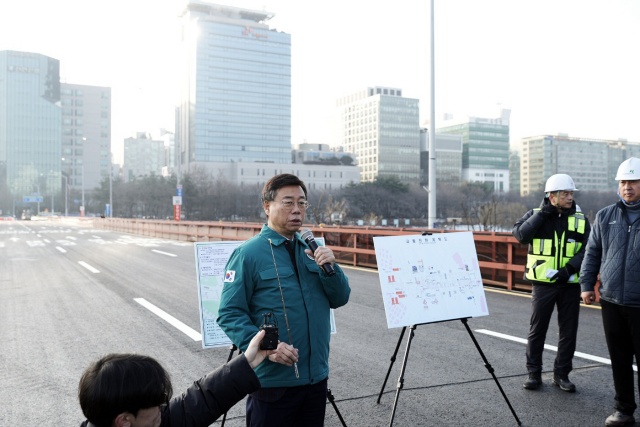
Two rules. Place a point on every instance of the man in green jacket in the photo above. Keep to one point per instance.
(276, 272)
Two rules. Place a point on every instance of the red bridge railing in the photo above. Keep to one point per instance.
(500, 256)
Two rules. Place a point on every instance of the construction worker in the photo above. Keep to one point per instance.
(557, 233)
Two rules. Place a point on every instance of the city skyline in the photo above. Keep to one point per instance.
(561, 67)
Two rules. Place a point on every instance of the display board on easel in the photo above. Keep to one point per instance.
(430, 278)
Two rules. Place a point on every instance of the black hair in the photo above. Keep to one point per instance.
(271, 187)
(120, 383)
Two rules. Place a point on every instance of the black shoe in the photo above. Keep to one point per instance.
(619, 419)
(563, 382)
(534, 381)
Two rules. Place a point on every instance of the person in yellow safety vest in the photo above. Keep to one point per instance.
(557, 233)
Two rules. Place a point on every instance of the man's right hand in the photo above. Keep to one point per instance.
(548, 209)
(285, 354)
(588, 297)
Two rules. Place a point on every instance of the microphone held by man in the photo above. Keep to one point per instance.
(307, 236)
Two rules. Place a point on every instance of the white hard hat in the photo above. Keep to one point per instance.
(629, 170)
(559, 182)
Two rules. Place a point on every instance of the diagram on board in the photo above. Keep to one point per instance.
(429, 278)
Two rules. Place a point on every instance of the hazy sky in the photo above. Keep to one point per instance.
(567, 66)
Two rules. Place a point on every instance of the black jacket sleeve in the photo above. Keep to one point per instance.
(212, 395)
(524, 230)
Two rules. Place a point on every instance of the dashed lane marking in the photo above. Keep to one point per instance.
(163, 253)
(88, 267)
(548, 347)
(191, 333)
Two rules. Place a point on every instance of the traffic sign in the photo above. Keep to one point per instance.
(32, 199)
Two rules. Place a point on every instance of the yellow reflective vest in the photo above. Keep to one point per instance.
(553, 252)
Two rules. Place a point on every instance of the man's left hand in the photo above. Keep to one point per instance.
(285, 354)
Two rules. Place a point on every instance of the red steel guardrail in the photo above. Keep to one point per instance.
(500, 256)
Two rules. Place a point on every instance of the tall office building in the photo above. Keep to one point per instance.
(235, 101)
(143, 156)
(448, 158)
(592, 163)
(30, 120)
(382, 129)
(514, 170)
(485, 149)
(86, 135)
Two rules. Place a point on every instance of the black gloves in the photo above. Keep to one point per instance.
(548, 210)
(562, 276)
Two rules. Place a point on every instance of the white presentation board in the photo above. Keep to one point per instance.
(211, 258)
(430, 278)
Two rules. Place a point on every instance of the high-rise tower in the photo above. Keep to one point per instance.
(86, 134)
(30, 122)
(381, 127)
(235, 101)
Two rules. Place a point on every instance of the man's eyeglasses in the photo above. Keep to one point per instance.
(288, 204)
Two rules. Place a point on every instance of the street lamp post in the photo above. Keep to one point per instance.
(66, 195)
(431, 210)
(82, 209)
(110, 187)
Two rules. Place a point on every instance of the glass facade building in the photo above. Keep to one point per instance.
(381, 128)
(448, 158)
(30, 124)
(485, 149)
(235, 101)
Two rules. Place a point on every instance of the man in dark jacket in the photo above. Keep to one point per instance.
(557, 233)
(613, 252)
(130, 390)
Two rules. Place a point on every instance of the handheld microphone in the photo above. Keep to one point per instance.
(307, 236)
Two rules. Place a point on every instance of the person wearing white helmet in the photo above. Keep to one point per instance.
(556, 233)
(613, 252)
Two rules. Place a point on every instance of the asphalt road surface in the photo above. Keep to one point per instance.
(69, 295)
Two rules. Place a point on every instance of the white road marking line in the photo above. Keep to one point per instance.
(549, 347)
(61, 250)
(47, 241)
(191, 333)
(88, 267)
(71, 238)
(163, 253)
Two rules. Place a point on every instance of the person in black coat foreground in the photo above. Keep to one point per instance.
(130, 390)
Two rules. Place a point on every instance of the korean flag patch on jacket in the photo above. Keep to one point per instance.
(229, 276)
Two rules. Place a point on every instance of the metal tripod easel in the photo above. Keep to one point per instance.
(400, 383)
